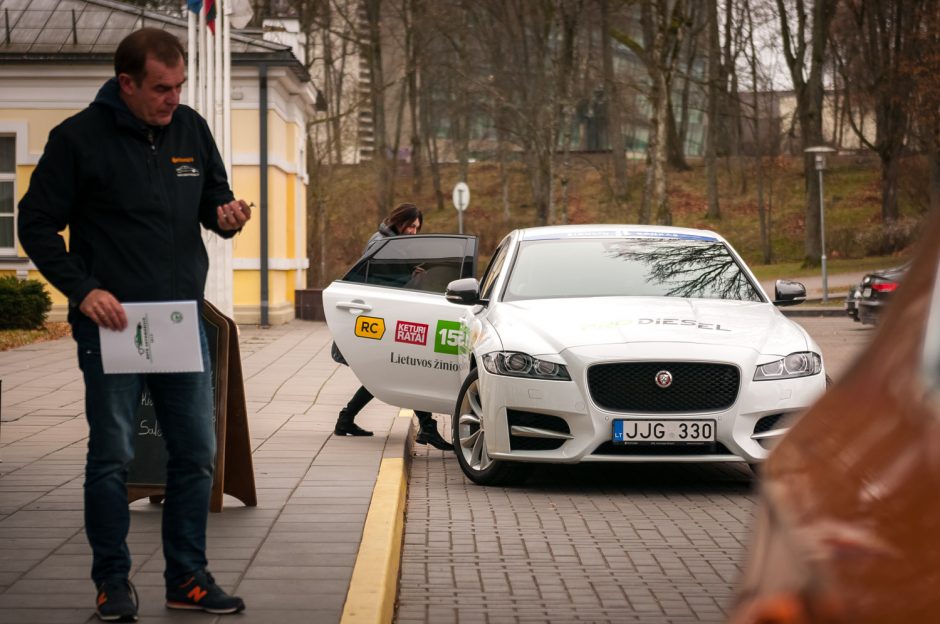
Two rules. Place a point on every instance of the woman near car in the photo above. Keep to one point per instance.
(404, 220)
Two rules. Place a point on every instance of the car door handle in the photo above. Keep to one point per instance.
(354, 305)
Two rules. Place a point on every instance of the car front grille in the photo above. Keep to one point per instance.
(695, 387)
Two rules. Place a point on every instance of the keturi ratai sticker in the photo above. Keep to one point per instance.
(411, 333)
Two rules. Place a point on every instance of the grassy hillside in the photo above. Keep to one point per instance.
(852, 197)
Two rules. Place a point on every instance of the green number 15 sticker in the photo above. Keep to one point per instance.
(447, 337)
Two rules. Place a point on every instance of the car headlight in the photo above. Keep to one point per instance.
(516, 364)
(801, 364)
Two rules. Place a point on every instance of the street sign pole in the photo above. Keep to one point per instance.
(461, 201)
(819, 153)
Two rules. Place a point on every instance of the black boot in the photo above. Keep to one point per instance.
(346, 426)
(428, 434)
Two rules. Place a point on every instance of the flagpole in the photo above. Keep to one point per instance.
(227, 85)
(200, 77)
(224, 132)
(190, 58)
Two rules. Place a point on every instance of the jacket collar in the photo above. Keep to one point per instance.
(109, 97)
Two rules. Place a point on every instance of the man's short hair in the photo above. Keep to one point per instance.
(131, 55)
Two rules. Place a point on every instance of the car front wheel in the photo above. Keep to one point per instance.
(469, 434)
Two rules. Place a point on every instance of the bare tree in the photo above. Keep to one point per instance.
(924, 69)
(613, 100)
(804, 53)
(872, 40)
(715, 89)
(663, 28)
(372, 53)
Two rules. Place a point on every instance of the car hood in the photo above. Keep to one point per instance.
(553, 325)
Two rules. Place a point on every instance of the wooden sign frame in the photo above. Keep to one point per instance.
(234, 472)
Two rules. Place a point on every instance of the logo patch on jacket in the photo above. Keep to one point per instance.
(187, 171)
(185, 166)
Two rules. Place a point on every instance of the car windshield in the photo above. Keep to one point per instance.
(632, 267)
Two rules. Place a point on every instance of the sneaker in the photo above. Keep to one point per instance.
(198, 591)
(114, 602)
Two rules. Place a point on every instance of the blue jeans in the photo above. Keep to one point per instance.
(184, 408)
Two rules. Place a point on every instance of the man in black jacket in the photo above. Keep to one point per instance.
(133, 176)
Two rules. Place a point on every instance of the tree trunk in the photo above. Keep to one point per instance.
(889, 188)
(614, 116)
(675, 144)
(933, 164)
(415, 61)
(711, 138)
(373, 44)
(503, 176)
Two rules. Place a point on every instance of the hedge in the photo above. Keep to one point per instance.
(24, 304)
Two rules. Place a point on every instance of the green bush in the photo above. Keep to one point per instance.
(24, 304)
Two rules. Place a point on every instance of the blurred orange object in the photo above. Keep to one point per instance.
(849, 524)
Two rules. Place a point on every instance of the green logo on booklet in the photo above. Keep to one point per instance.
(176, 316)
(143, 338)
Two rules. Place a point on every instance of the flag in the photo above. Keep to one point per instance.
(194, 5)
(241, 13)
(210, 15)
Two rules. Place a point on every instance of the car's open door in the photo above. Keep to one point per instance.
(392, 324)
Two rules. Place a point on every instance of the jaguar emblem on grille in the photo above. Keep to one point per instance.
(663, 379)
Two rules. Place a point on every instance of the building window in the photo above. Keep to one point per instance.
(7, 182)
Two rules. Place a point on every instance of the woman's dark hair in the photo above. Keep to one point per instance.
(402, 216)
(131, 55)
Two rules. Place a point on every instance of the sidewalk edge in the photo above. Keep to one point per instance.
(374, 584)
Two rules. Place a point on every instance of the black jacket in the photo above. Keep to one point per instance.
(132, 196)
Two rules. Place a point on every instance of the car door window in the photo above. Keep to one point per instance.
(493, 270)
(424, 263)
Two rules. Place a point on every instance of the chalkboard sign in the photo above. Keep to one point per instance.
(149, 465)
(147, 473)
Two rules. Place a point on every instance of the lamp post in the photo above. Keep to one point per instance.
(820, 151)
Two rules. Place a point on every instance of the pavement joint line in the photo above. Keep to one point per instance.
(373, 587)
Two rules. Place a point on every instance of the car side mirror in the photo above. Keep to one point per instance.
(787, 293)
(464, 291)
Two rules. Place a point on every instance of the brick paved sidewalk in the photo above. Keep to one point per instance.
(290, 558)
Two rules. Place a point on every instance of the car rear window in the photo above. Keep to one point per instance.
(642, 267)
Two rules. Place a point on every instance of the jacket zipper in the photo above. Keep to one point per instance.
(158, 178)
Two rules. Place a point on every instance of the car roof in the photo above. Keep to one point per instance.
(608, 230)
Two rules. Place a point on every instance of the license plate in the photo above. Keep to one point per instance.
(663, 431)
(866, 293)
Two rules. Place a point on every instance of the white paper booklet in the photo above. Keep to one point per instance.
(161, 337)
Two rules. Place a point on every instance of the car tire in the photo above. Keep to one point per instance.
(469, 437)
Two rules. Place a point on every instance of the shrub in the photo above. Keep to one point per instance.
(884, 240)
(24, 304)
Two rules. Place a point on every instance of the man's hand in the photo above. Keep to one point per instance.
(106, 311)
(233, 215)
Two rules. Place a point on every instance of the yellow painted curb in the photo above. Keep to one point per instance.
(374, 584)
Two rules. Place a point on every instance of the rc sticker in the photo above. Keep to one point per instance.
(411, 333)
(370, 327)
(447, 337)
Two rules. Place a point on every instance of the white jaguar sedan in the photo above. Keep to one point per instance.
(601, 343)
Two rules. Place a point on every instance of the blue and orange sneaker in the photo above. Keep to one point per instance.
(198, 591)
(114, 602)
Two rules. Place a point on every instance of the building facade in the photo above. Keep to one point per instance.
(56, 54)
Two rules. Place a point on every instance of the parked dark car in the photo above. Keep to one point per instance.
(848, 527)
(877, 292)
(851, 301)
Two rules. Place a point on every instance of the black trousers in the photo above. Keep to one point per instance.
(362, 398)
